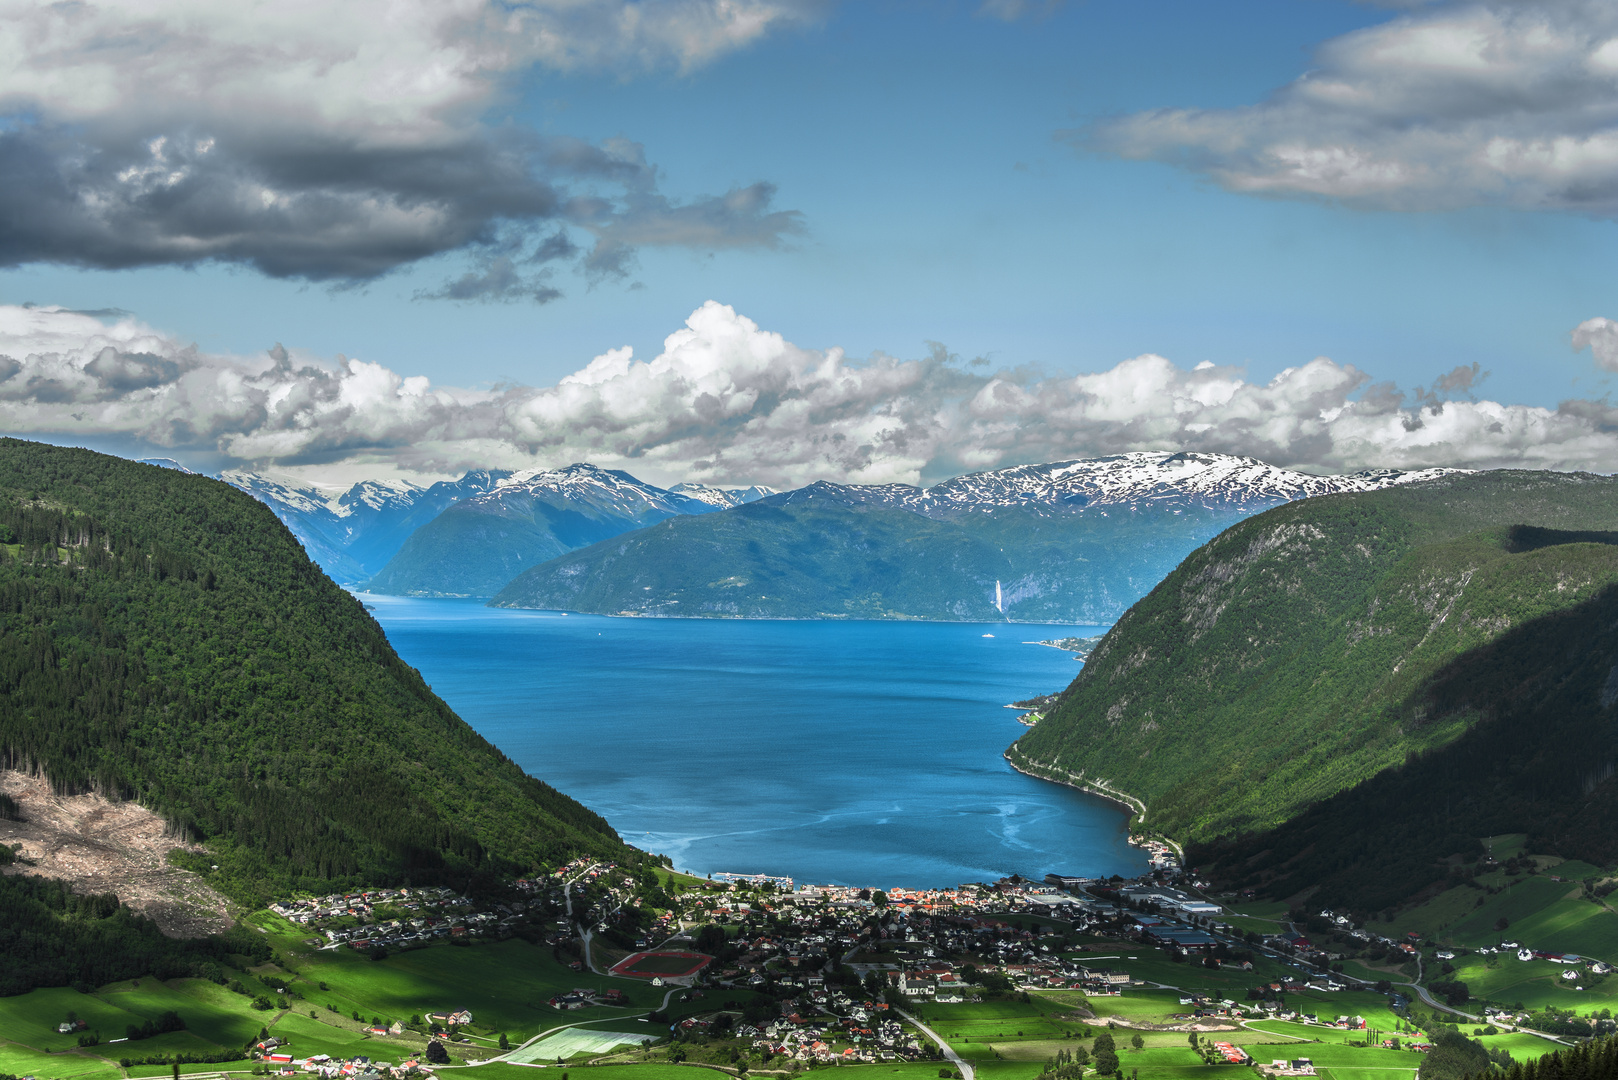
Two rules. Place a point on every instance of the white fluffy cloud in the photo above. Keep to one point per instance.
(728, 402)
(1502, 102)
(339, 142)
(1600, 336)
(382, 70)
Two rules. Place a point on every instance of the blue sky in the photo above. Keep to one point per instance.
(998, 185)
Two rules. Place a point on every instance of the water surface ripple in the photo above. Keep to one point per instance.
(835, 752)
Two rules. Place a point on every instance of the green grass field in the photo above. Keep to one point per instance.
(1534, 983)
(505, 984)
(77, 1065)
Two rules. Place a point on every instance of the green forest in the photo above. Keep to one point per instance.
(1537, 755)
(163, 638)
(1293, 657)
(1596, 1059)
(50, 936)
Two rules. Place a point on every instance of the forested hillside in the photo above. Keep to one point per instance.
(801, 558)
(1288, 659)
(164, 638)
(1537, 756)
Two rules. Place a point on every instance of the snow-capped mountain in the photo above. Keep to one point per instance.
(723, 498)
(164, 463)
(1071, 542)
(589, 485)
(1148, 479)
(470, 536)
(352, 533)
(482, 542)
(1185, 478)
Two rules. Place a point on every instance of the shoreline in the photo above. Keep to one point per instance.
(1098, 788)
(361, 594)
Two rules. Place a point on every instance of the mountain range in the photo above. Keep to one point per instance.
(1069, 542)
(1074, 541)
(353, 534)
(478, 544)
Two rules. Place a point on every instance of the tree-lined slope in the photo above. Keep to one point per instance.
(1539, 704)
(1283, 662)
(164, 638)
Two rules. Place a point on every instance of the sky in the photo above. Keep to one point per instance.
(775, 241)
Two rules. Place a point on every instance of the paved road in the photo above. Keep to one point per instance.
(954, 1058)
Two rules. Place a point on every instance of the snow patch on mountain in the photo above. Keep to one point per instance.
(1145, 478)
(164, 463)
(1148, 479)
(723, 498)
(352, 532)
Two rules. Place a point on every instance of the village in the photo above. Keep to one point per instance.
(757, 972)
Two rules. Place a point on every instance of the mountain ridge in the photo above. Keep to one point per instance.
(1065, 542)
(1294, 640)
(392, 537)
(352, 532)
(475, 546)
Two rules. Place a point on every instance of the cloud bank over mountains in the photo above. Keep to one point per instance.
(1502, 102)
(729, 402)
(338, 143)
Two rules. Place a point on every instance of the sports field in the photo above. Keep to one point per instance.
(565, 1044)
(647, 965)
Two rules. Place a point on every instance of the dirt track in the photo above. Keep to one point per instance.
(101, 846)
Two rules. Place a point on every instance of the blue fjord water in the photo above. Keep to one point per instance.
(834, 752)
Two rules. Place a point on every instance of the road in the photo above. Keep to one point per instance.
(954, 1058)
(1421, 991)
(584, 932)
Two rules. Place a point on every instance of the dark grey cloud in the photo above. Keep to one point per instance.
(740, 218)
(338, 143)
(342, 211)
